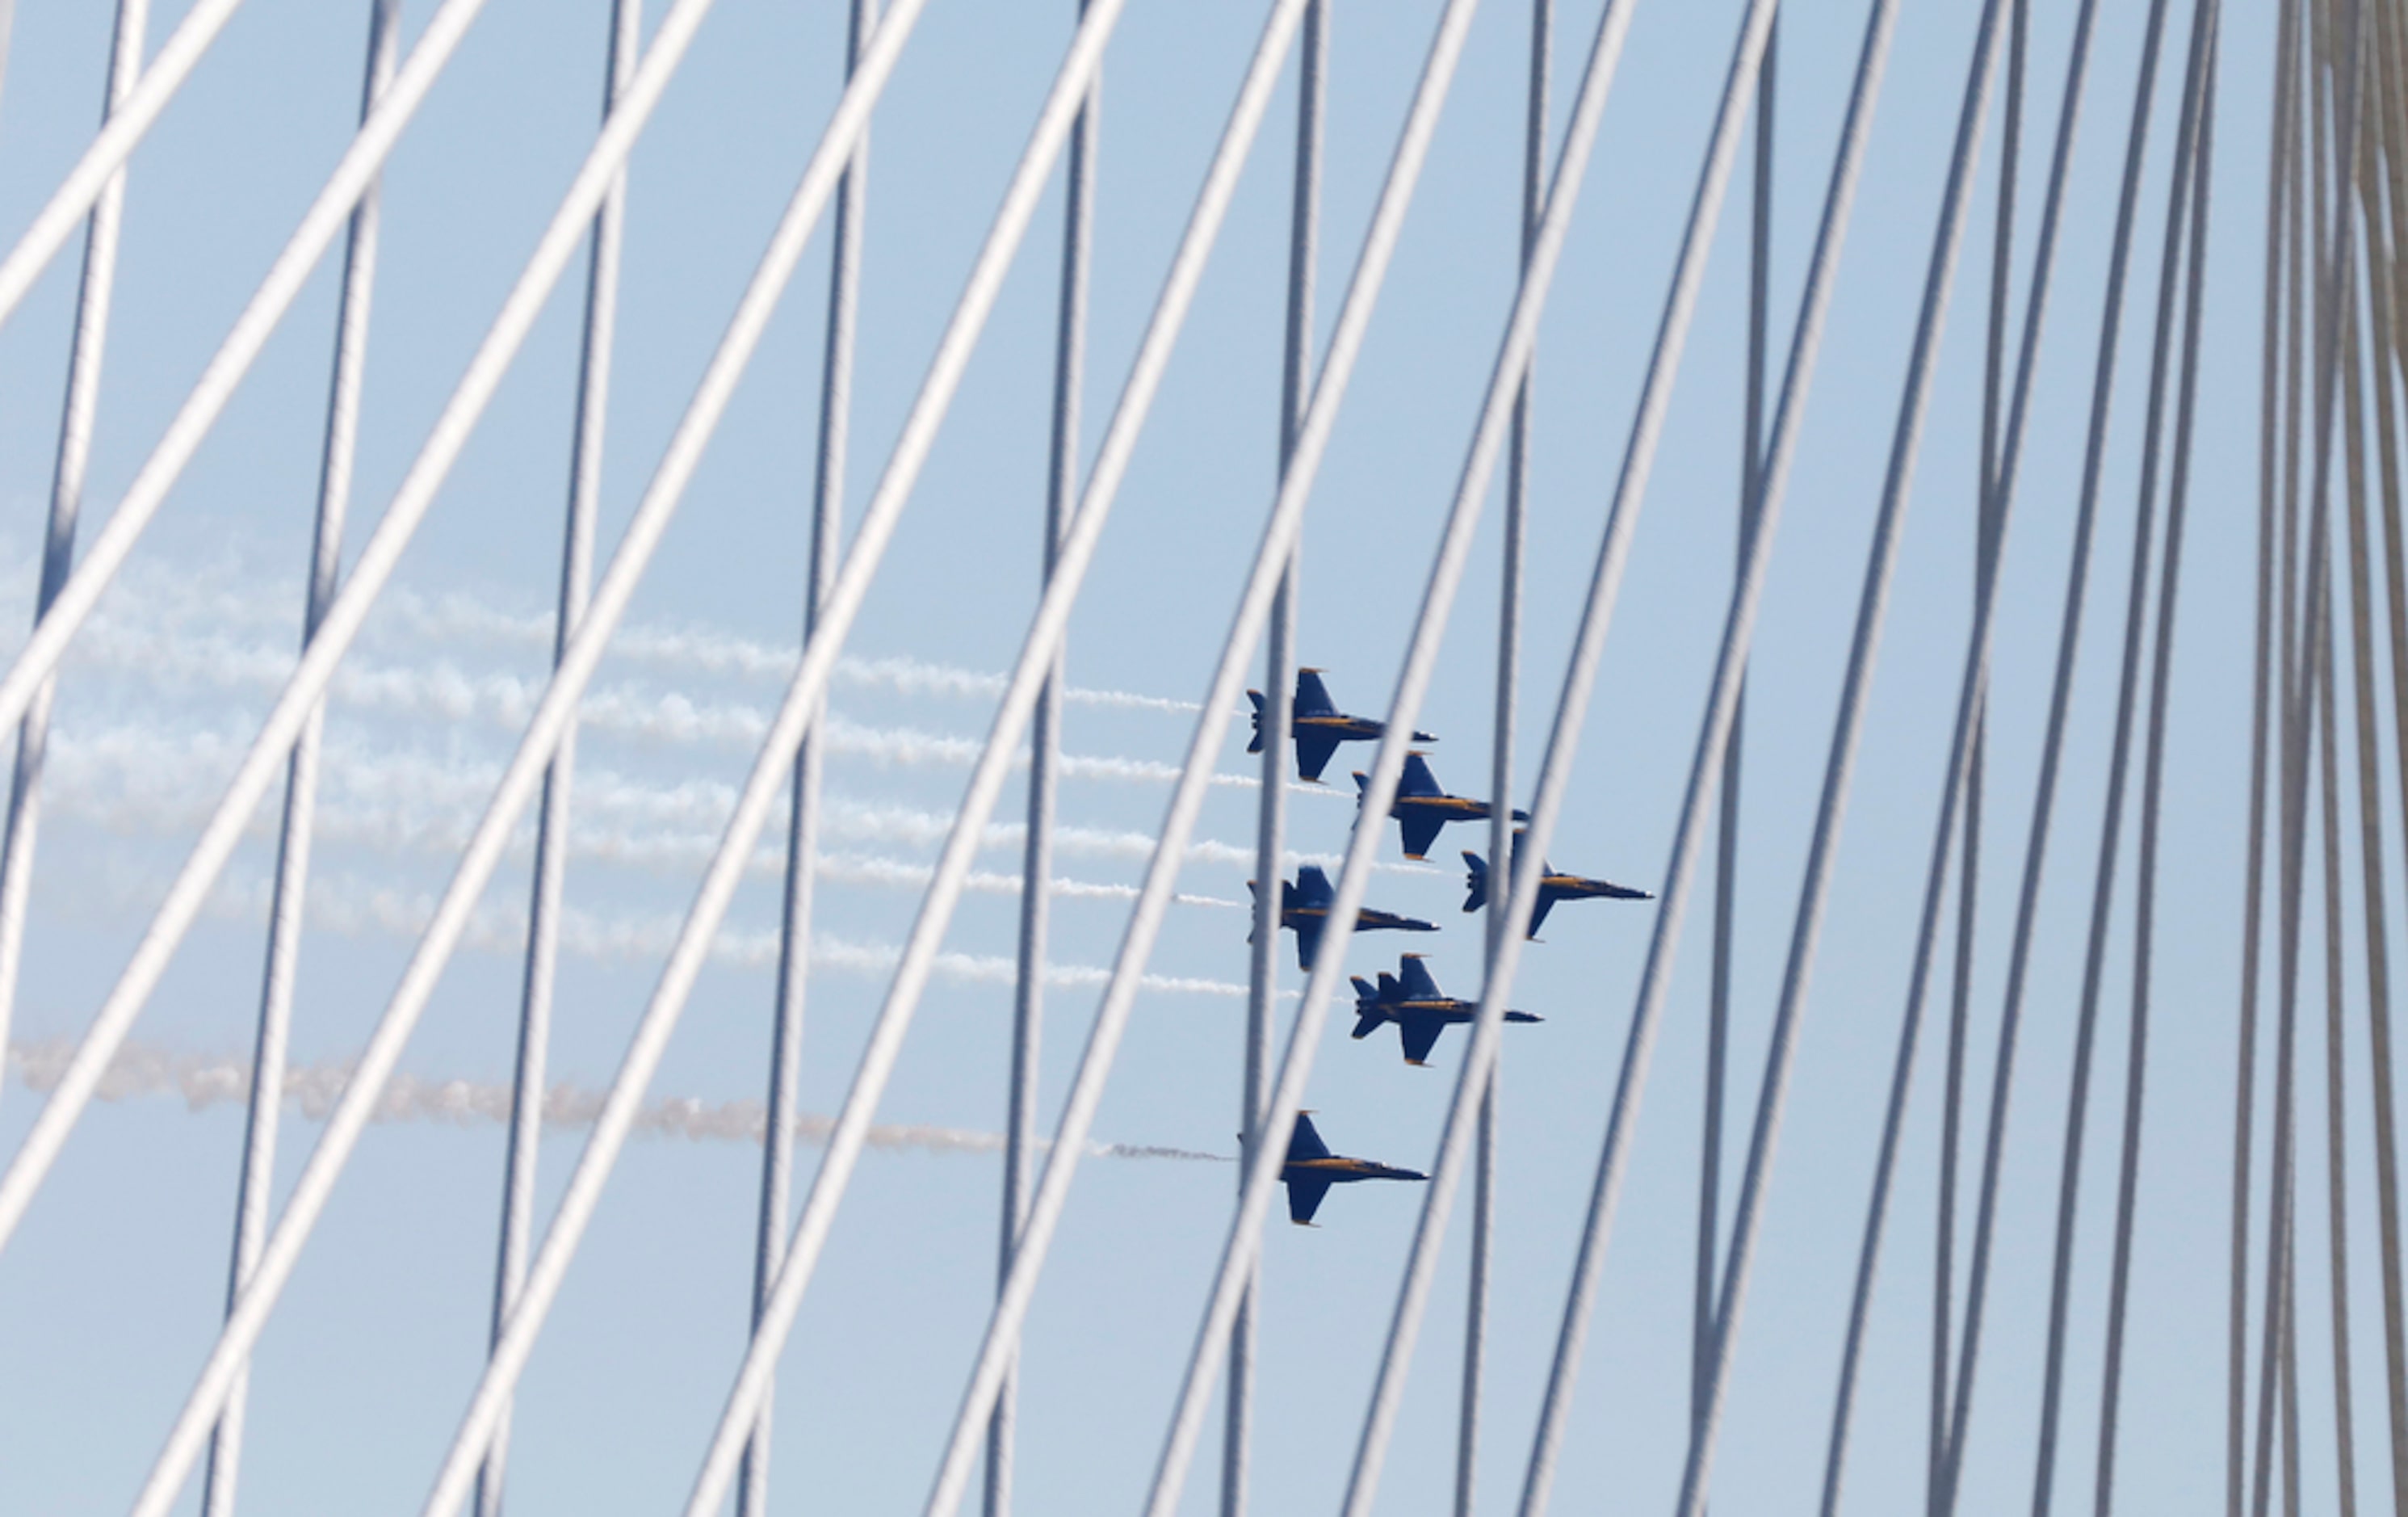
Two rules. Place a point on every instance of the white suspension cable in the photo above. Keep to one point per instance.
(1947, 242)
(369, 575)
(70, 466)
(374, 568)
(1045, 754)
(209, 395)
(1712, 747)
(1977, 668)
(803, 812)
(1512, 552)
(286, 906)
(774, 761)
(551, 870)
(1277, 722)
(1264, 1160)
(1012, 719)
(126, 127)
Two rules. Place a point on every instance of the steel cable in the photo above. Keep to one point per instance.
(1045, 632)
(550, 875)
(2019, 958)
(70, 465)
(2272, 439)
(127, 125)
(1960, 1000)
(309, 680)
(2153, 774)
(774, 761)
(284, 918)
(2111, 826)
(1277, 720)
(373, 569)
(802, 821)
(1511, 549)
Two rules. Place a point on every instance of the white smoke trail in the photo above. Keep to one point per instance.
(137, 779)
(140, 1070)
(213, 625)
(348, 905)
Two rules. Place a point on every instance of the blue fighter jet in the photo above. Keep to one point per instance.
(1424, 808)
(1413, 1001)
(1305, 906)
(1551, 888)
(1319, 725)
(1311, 1169)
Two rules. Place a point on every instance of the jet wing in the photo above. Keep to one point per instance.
(1420, 832)
(1308, 942)
(1415, 977)
(1313, 887)
(1311, 696)
(1417, 778)
(1546, 903)
(1314, 748)
(1305, 1142)
(1420, 1035)
(1304, 1198)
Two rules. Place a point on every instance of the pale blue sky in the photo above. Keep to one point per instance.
(109, 1293)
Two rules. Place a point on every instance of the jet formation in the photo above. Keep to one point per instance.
(1409, 998)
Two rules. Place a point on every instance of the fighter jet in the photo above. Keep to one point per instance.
(1424, 808)
(1319, 725)
(1551, 888)
(1305, 906)
(1413, 1001)
(1311, 1169)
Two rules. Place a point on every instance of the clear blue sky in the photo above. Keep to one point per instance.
(111, 1291)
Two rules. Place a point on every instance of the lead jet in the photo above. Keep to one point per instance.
(1551, 888)
(1305, 906)
(1319, 726)
(1311, 1169)
(1413, 1001)
(1424, 808)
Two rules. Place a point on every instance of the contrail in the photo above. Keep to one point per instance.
(141, 1070)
